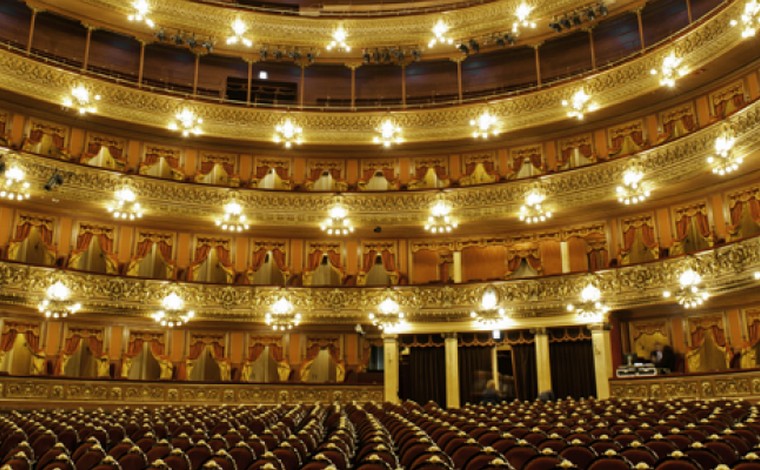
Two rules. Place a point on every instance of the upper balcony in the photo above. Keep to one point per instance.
(142, 79)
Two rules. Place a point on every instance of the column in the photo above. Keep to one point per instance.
(301, 84)
(457, 262)
(451, 346)
(495, 366)
(195, 73)
(250, 79)
(353, 67)
(87, 43)
(593, 49)
(600, 342)
(458, 60)
(31, 31)
(403, 85)
(390, 367)
(141, 68)
(641, 27)
(543, 364)
(688, 11)
(564, 251)
(538, 64)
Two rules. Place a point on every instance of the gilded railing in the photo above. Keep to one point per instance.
(532, 302)
(697, 47)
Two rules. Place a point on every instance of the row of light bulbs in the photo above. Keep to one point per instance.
(338, 39)
(671, 68)
(491, 314)
(289, 133)
(634, 189)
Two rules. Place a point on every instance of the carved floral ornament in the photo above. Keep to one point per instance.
(665, 165)
(697, 47)
(724, 270)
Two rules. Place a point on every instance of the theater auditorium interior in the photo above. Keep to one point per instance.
(379, 234)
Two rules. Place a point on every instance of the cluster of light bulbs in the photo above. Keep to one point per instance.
(533, 210)
(690, 294)
(125, 205)
(632, 191)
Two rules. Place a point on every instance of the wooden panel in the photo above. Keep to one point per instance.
(616, 38)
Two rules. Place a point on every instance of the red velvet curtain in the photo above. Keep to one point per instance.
(698, 335)
(135, 345)
(12, 329)
(279, 259)
(206, 167)
(25, 228)
(35, 136)
(257, 260)
(85, 236)
(93, 148)
(647, 236)
(490, 167)
(58, 141)
(197, 348)
(388, 260)
(754, 332)
(255, 350)
(315, 258)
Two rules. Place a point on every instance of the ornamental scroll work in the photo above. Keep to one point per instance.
(725, 269)
(25, 390)
(697, 47)
(745, 385)
(664, 165)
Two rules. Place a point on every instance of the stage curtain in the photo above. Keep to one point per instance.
(427, 370)
(572, 364)
(526, 377)
(471, 360)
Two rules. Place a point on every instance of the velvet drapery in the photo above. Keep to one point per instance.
(472, 359)
(526, 379)
(572, 368)
(426, 375)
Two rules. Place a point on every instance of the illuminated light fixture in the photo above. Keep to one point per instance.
(725, 160)
(56, 303)
(389, 316)
(186, 122)
(142, 10)
(390, 134)
(756, 275)
(750, 19)
(533, 210)
(670, 70)
(125, 205)
(288, 133)
(238, 29)
(338, 42)
(690, 295)
(81, 100)
(590, 308)
(580, 104)
(14, 187)
(173, 313)
(633, 190)
(440, 220)
(337, 222)
(439, 34)
(485, 125)
(523, 13)
(490, 314)
(233, 219)
(281, 316)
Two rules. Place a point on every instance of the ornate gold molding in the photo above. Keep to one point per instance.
(24, 390)
(734, 384)
(701, 45)
(724, 270)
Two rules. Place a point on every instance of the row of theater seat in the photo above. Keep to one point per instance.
(582, 434)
